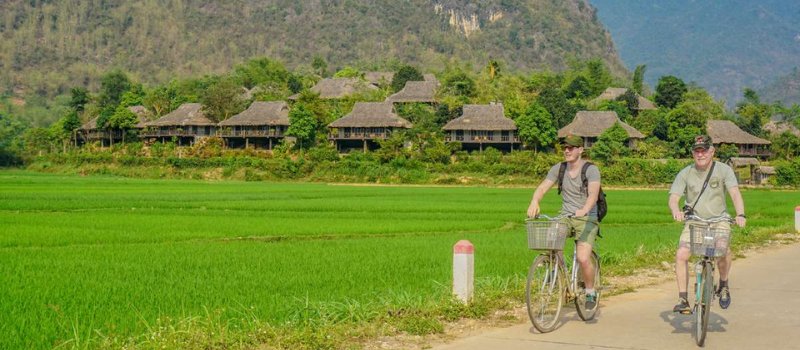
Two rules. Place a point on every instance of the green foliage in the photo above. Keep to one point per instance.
(689, 118)
(535, 128)
(457, 82)
(670, 91)
(753, 114)
(638, 79)
(785, 146)
(222, 100)
(122, 118)
(349, 72)
(727, 151)
(261, 72)
(611, 144)
(651, 122)
(11, 131)
(787, 173)
(79, 98)
(616, 106)
(112, 86)
(404, 74)
(133, 97)
(652, 148)
(557, 105)
(579, 88)
(631, 102)
(302, 125)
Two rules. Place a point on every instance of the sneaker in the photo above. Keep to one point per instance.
(682, 307)
(591, 301)
(724, 297)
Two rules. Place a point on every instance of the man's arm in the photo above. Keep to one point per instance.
(533, 208)
(738, 204)
(674, 200)
(594, 191)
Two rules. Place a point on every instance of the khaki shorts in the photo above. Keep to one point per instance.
(584, 229)
(684, 240)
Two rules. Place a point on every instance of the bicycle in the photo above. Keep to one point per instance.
(546, 289)
(709, 241)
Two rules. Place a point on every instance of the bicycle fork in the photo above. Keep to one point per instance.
(698, 270)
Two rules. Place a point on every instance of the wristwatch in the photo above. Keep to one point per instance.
(742, 216)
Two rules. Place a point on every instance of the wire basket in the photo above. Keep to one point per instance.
(546, 235)
(709, 241)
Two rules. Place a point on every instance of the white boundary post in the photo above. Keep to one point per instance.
(797, 218)
(463, 270)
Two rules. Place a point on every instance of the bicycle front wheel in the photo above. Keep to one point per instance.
(544, 292)
(580, 294)
(703, 311)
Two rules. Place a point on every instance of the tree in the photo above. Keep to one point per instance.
(122, 119)
(670, 91)
(260, 71)
(222, 100)
(785, 146)
(319, 65)
(112, 86)
(494, 69)
(404, 74)
(11, 131)
(133, 97)
(638, 79)
(578, 88)
(302, 125)
(535, 127)
(688, 119)
(556, 103)
(348, 72)
(79, 98)
(611, 144)
(599, 76)
(631, 101)
(752, 113)
(727, 151)
(459, 83)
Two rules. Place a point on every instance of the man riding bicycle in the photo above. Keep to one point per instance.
(704, 184)
(578, 203)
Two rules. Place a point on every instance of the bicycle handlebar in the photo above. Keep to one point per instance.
(711, 220)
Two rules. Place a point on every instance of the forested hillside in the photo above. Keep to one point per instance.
(785, 89)
(48, 47)
(724, 46)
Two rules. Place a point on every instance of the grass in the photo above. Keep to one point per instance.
(88, 262)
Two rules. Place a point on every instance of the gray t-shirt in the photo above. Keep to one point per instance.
(573, 197)
(712, 203)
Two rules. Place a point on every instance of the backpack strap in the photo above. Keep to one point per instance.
(584, 181)
(561, 172)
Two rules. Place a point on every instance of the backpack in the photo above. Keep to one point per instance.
(602, 206)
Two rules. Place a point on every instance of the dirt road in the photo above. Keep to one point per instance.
(764, 314)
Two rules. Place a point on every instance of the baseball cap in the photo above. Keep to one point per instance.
(702, 141)
(572, 140)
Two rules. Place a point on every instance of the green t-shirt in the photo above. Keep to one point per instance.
(689, 182)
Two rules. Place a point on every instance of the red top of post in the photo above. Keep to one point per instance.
(463, 247)
(797, 208)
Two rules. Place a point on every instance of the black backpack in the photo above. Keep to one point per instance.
(602, 207)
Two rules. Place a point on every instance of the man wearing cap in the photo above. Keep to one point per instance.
(704, 203)
(578, 205)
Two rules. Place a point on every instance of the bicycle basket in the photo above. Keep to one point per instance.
(546, 235)
(709, 241)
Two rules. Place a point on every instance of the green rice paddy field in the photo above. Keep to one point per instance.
(87, 261)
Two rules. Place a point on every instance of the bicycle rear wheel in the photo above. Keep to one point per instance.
(544, 292)
(703, 311)
(580, 293)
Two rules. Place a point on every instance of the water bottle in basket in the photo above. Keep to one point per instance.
(708, 242)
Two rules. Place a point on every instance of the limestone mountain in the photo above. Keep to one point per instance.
(48, 47)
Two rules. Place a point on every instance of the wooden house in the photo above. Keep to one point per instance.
(724, 132)
(367, 123)
(590, 124)
(261, 125)
(186, 125)
(89, 132)
(481, 126)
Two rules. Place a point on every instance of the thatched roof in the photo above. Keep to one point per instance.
(742, 161)
(261, 113)
(725, 131)
(613, 93)
(379, 78)
(371, 115)
(593, 123)
(777, 128)
(415, 91)
(188, 114)
(142, 114)
(333, 88)
(481, 117)
(764, 169)
(90, 125)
